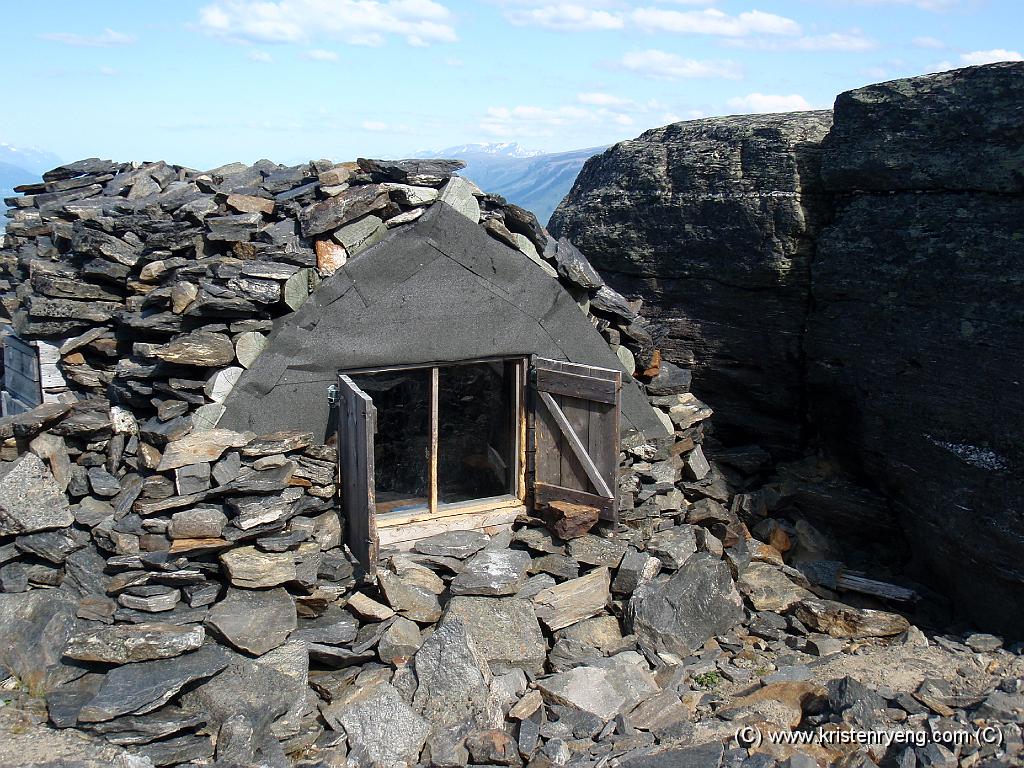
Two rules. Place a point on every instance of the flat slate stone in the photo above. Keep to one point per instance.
(197, 523)
(492, 572)
(30, 499)
(200, 348)
(254, 621)
(54, 546)
(382, 726)
(408, 599)
(124, 643)
(606, 689)
(335, 627)
(206, 446)
(458, 544)
(249, 567)
(148, 685)
(673, 546)
(505, 631)
(597, 550)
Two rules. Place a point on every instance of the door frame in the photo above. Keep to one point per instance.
(516, 492)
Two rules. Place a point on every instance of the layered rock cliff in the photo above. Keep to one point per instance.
(710, 222)
(853, 288)
(914, 345)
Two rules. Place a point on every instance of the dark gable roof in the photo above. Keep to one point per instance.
(440, 291)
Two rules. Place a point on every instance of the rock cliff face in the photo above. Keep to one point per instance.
(710, 222)
(854, 288)
(914, 346)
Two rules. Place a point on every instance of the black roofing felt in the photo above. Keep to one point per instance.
(439, 291)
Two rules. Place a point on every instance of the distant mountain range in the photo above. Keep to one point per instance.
(529, 178)
(20, 165)
(533, 180)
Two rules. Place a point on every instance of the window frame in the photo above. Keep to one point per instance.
(434, 509)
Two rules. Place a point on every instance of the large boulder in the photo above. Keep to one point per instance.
(711, 223)
(913, 346)
(35, 628)
(682, 613)
(453, 680)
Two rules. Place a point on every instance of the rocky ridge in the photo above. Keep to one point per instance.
(845, 284)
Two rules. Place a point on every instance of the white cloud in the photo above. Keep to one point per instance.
(833, 41)
(565, 17)
(375, 126)
(261, 56)
(925, 5)
(109, 72)
(712, 21)
(661, 65)
(765, 102)
(319, 54)
(530, 121)
(356, 22)
(108, 39)
(990, 57)
(602, 99)
(928, 42)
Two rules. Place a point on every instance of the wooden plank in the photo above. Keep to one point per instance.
(518, 404)
(24, 363)
(603, 448)
(577, 415)
(447, 510)
(48, 353)
(573, 385)
(402, 537)
(580, 369)
(577, 447)
(547, 461)
(434, 439)
(544, 494)
(23, 388)
(572, 601)
(357, 424)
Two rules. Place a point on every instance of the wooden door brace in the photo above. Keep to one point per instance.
(577, 445)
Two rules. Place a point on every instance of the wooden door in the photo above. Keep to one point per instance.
(22, 379)
(576, 434)
(357, 424)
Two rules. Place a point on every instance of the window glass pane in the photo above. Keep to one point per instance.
(402, 444)
(475, 450)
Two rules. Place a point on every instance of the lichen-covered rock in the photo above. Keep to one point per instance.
(916, 311)
(30, 499)
(722, 211)
(453, 680)
(679, 615)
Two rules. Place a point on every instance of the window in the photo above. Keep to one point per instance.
(426, 449)
(445, 435)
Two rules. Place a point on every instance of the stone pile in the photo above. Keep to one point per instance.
(156, 285)
(181, 590)
(813, 268)
(185, 597)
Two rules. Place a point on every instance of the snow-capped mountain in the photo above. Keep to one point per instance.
(22, 165)
(31, 159)
(531, 179)
(502, 149)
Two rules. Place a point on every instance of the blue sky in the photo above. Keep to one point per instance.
(203, 83)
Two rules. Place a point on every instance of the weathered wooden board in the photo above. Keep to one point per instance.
(357, 424)
(576, 434)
